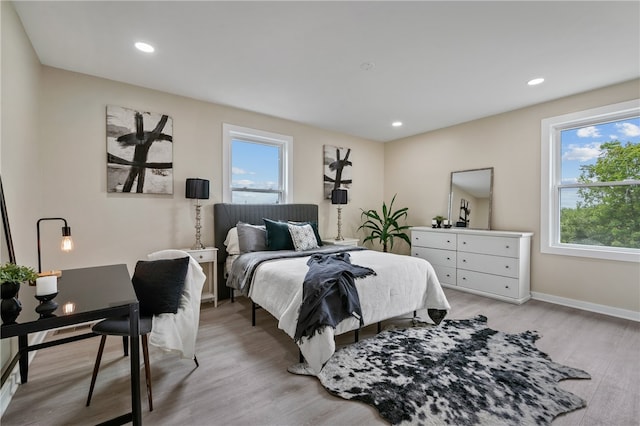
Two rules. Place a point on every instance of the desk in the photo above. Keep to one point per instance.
(97, 292)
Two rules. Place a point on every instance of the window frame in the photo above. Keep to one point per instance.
(284, 142)
(551, 167)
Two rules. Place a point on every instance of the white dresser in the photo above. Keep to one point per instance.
(490, 263)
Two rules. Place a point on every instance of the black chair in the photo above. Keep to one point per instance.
(161, 290)
(120, 327)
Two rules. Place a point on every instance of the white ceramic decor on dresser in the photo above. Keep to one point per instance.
(490, 263)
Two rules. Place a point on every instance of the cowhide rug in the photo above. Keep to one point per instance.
(458, 373)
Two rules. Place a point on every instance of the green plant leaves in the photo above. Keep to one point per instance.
(384, 228)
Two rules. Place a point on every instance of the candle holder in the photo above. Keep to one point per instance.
(47, 305)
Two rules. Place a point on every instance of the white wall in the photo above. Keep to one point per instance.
(20, 86)
(112, 228)
(418, 169)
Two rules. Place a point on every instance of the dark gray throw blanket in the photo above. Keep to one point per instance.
(329, 293)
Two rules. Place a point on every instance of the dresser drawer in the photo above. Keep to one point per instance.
(441, 240)
(445, 274)
(436, 256)
(494, 284)
(499, 265)
(203, 256)
(499, 246)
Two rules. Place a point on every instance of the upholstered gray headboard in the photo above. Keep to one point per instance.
(226, 216)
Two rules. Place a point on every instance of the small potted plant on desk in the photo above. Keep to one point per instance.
(11, 275)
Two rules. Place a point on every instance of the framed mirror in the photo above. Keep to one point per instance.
(7, 253)
(470, 194)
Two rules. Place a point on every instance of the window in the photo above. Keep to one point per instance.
(257, 166)
(590, 197)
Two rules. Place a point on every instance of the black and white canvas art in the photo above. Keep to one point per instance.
(337, 169)
(139, 151)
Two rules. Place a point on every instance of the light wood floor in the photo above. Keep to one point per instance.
(242, 379)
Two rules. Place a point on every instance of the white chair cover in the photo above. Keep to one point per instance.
(178, 332)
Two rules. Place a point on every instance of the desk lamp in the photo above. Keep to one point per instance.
(67, 243)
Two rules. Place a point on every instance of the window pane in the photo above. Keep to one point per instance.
(602, 152)
(255, 165)
(601, 216)
(244, 197)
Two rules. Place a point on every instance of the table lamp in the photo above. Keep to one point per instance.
(197, 189)
(339, 197)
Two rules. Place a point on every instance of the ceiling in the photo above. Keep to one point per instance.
(350, 67)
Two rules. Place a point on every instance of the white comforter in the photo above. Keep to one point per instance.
(402, 284)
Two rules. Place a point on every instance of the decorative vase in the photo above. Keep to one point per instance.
(11, 306)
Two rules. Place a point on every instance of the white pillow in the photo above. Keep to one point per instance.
(231, 242)
(303, 237)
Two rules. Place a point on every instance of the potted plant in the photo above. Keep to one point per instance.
(11, 275)
(385, 227)
(439, 220)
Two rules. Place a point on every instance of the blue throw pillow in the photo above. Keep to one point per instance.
(159, 284)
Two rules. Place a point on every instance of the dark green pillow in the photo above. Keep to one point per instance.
(159, 284)
(278, 236)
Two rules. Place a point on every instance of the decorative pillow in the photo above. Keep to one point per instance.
(314, 225)
(278, 236)
(231, 242)
(251, 237)
(303, 237)
(159, 283)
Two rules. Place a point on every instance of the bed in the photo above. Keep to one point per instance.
(400, 285)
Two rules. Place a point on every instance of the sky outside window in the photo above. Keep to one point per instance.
(254, 166)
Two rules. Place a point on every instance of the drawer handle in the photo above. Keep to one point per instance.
(464, 278)
(506, 286)
(464, 242)
(507, 266)
(448, 275)
(448, 241)
(464, 260)
(507, 246)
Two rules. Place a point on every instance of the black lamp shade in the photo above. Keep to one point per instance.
(197, 188)
(339, 196)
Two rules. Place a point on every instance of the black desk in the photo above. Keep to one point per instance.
(97, 292)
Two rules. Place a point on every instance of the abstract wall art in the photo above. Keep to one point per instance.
(338, 167)
(139, 151)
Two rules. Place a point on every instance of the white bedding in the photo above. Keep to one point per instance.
(402, 284)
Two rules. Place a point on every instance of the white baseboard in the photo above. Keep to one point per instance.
(13, 381)
(587, 306)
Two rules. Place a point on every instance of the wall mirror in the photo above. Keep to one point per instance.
(470, 198)
(7, 253)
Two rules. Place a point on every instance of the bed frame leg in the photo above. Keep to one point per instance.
(300, 356)
(253, 314)
(379, 326)
(356, 335)
(232, 296)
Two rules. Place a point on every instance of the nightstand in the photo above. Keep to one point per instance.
(208, 258)
(345, 242)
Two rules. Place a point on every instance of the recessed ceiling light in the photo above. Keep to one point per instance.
(144, 47)
(396, 123)
(535, 81)
(367, 66)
